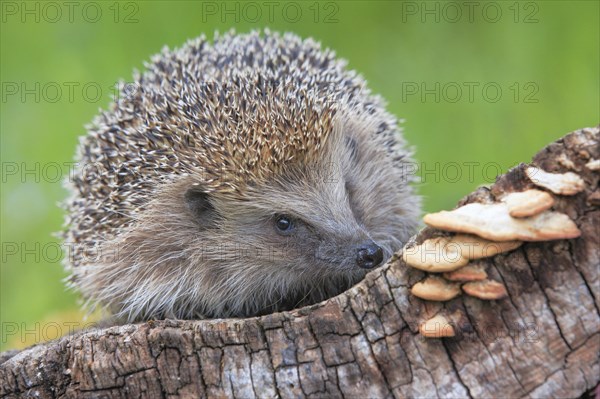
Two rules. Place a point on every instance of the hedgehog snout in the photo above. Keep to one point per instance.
(368, 255)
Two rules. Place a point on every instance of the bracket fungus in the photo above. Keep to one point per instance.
(474, 247)
(594, 165)
(445, 254)
(528, 203)
(494, 222)
(485, 230)
(471, 272)
(434, 255)
(485, 289)
(559, 183)
(437, 327)
(435, 289)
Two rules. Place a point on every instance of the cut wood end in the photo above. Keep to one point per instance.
(467, 273)
(434, 255)
(435, 289)
(485, 289)
(437, 327)
(559, 183)
(528, 203)
(493, 222)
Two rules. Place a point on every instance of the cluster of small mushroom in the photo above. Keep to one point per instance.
(485, 230)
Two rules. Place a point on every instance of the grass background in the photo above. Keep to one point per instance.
(548, 50)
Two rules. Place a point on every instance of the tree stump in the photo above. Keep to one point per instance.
(543, 340)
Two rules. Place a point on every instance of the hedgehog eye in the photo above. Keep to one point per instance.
(284, 224)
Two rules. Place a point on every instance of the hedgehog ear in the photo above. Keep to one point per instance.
(198, 202)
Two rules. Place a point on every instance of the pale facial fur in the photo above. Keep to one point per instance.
(201, 255)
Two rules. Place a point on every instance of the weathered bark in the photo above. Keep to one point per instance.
(541, 341)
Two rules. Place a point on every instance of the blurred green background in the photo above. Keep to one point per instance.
(482, 87)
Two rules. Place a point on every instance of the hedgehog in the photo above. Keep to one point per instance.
(246, 175)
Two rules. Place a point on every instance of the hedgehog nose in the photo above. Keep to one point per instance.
(369, 255)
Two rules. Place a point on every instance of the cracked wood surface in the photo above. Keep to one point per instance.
(541, 341)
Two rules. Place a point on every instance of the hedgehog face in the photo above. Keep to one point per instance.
(299, 224)
(330, 218)
(305, 234)
(248, 175)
